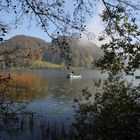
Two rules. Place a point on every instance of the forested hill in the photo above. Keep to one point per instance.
(84, 53)
(23, 50)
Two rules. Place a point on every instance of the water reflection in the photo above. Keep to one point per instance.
(27, 86)
(8, 110)
(39, 105)
(38, 100)
(18, 123)
(30, 126)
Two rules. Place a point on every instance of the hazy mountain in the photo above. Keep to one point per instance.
(22, 50)
(83, 53)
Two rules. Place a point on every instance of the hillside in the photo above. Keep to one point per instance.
(22, 50)
(82, 53)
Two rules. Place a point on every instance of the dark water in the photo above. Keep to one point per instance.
(45, 104)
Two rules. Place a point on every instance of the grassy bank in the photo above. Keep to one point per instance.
(46, 65)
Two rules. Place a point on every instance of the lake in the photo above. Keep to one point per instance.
(43, 98)
(57, 100)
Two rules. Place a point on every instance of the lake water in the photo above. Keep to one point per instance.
(47, 98)
(42, 98)
(57, 100)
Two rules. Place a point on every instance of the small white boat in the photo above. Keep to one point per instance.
(71, 75)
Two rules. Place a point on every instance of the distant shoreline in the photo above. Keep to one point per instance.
(46, 65)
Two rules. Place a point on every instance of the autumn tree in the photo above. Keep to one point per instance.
(119, 18)
(113, 111)
(117, 105)
(122, 52)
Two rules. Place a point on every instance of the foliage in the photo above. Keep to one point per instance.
(122, 52)
(23, 50)
(73, 53)
(113, 113)
(20, 51)
(47, 13)
(120, 26)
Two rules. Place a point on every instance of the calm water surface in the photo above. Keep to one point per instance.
(48, 97)
(58, 100)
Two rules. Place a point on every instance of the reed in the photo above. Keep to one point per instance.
(25, 87)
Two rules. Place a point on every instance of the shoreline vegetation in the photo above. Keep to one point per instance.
(23, 86)
(39, 64)
(46, 65)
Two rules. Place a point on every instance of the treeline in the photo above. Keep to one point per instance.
(81, 54)
(23, 50)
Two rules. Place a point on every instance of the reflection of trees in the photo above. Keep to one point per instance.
(8, 108)
(27, 125)
(114, 113)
